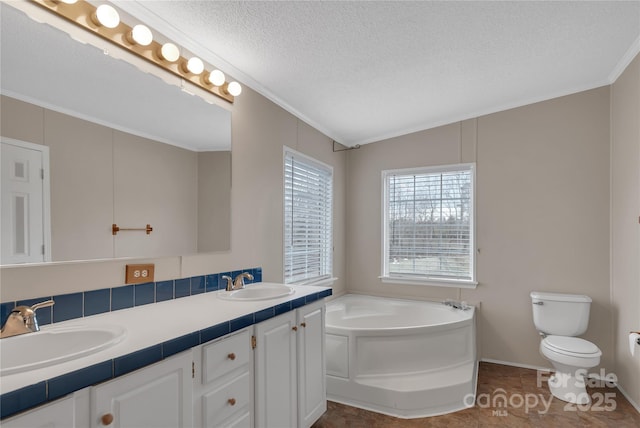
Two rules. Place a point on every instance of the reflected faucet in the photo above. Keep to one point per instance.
(22, 319)
(239, 281)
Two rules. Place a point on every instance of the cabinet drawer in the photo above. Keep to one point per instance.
(241, 421)
(223, 357)
(229, 398)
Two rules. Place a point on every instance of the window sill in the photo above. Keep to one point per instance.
(452, 283)
(327, 282)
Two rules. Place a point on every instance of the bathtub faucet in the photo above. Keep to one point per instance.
(456, 304)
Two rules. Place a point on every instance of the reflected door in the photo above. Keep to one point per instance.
(24, 205)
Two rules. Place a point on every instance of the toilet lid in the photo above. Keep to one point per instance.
(574, 345)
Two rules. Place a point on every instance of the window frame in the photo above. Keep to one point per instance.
(327, 278)
(417, 279)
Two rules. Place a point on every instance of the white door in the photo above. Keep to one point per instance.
(25, 208)
(275, 374)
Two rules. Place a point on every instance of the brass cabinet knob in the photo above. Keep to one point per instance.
(231, 401)
(303, 324)
(294, 328)
(106, 419)
(231, 356)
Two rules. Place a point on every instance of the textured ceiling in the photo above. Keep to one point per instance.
(364, 71)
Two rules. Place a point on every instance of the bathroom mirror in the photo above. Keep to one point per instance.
(125, 147)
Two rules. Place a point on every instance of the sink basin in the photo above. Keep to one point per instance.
(54, 345)
(258, 291)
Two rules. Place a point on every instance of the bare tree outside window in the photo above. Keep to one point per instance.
(429, 223)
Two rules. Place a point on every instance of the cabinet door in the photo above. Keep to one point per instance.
(312, 394)
(275, 374)
(154, 397)
(69, 412)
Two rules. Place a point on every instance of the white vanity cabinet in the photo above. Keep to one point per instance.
(156, 396)
(223, 392)
(312, 388)
(289, 374)
(71, 411)
(270, 374)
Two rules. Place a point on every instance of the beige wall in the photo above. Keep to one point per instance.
(214, 188)
(542, 215)
(100, 176)
(625, 231)
(260, 130)
(154, 184)
(81, 184)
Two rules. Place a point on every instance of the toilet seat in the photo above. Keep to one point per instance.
(571, 346)
(581, 355)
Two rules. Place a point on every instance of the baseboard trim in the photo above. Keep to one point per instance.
(626, 395)
(523, 366)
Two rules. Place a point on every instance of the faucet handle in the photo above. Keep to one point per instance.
(229, 282)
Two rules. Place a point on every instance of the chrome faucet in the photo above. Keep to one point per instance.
(22, 319)
(456, 305)
(239, 281)
(235, 284)
(229, 282)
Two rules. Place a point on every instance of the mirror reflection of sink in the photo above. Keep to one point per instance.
(258, 291)
(54, 345)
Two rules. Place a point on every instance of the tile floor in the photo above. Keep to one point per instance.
(609, 407)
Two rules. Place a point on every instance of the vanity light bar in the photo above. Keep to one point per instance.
(139, 40)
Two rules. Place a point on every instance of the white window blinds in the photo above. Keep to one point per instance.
(429, 220)
(308, 240)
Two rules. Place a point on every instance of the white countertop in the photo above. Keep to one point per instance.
(150, 325)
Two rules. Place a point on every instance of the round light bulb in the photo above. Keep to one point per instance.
(195, 65)
(107, 16)
(216, 77)
(141, 35)
(170, 52)
(234, 89)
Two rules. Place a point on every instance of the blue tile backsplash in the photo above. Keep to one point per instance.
(182, 288)
(197, 284)
(96, 302)
(143, 294)
(77, 305)
(122, 297)
(67, 307)
(164, 291)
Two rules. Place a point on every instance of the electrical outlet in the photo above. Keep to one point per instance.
(136, 274)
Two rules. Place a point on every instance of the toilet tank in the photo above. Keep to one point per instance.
(560, 314)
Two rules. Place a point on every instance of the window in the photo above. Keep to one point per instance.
(429, 225)
(308, 219)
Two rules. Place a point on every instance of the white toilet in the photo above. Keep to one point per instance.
(558, 318)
